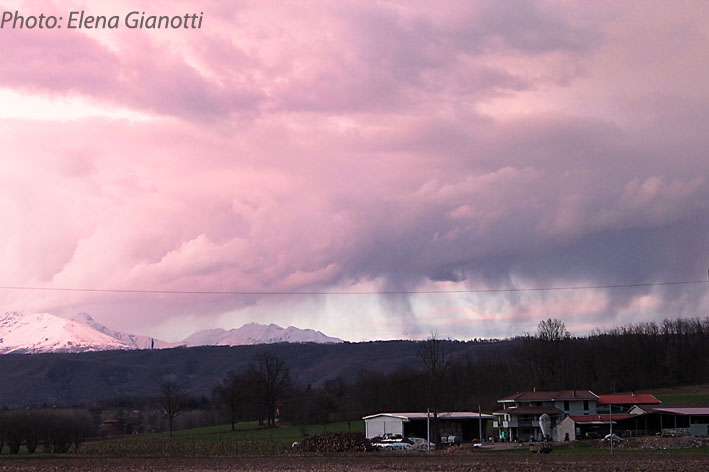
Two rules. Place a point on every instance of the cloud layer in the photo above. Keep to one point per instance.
(320, 146)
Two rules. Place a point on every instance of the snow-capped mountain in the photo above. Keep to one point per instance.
(254, 333)
(44, 332)
(131, 340)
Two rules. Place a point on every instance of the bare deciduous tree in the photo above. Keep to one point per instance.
(230, 394)
(434, 358)
(171, 399)
(552, 330)
(272, 380)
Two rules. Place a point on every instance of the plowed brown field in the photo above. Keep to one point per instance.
(375, 462)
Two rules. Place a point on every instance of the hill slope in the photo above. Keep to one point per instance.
(66, 379)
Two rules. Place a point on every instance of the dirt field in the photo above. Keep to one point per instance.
(388, 462)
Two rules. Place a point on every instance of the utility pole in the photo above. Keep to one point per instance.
(480, 424)
(611, 421)
(428, 429)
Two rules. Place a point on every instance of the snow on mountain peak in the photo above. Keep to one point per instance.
(254, 333)
(44, 332)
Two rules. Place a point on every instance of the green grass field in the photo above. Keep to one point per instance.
(252, 432)
(251, 440)
(684, 399)
(688, 395)
(247, 439)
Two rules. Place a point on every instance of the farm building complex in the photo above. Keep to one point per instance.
(573, 414)
(581, 414)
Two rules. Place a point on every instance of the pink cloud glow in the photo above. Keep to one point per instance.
(320, 146)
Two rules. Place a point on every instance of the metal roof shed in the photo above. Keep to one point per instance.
(465, 424)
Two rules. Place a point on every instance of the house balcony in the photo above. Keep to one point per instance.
(520, 424)
(527, 423)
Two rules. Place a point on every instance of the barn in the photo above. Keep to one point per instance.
(674, 420)
(464, 424)
(575, 427)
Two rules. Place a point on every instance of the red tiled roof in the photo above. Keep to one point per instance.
(548, 396)
(629, 399)
(600, 418)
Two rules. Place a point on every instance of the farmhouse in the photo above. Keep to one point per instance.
(111, 427)
(518, 420)
(613, 409)
(464, 424)
(581, 414)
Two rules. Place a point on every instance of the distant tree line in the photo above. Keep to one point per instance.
(56, 431)
(257, 393)
(629, 358)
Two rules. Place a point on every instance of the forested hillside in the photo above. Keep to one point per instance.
(69, 379)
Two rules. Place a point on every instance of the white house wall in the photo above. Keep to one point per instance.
(564, 427)
(576, 407)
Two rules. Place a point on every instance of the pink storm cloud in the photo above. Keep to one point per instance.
(331, 147)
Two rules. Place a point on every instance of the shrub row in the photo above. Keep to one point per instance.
(56, 431)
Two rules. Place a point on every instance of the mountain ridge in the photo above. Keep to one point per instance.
(255, 333)
(47, 333)
(132, 340)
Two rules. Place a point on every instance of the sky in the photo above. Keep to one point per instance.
(349, 146)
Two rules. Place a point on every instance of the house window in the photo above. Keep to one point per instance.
(585, 404)
(566, 405)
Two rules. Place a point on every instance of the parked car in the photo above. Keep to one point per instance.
(421, 443)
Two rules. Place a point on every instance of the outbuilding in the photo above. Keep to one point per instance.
(463, 424)
(575, 427)
(670, 421)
